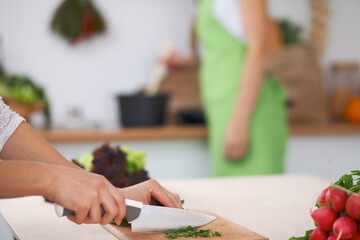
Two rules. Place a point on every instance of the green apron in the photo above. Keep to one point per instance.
(221, 69)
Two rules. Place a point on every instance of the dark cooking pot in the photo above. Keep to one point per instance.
(142, 110)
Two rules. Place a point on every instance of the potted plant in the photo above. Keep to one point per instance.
(24, 96)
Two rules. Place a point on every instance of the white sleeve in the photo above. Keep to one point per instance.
(9, 121)
(229, 14)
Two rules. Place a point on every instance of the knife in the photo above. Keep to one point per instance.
(148, 218)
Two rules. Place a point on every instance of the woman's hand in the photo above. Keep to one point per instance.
(236, 141)
(178, 61)
(143, 192)
(83, 193)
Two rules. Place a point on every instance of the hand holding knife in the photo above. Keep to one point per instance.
(148, 218)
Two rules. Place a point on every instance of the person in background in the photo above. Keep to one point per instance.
(245, 108)
(31, 166)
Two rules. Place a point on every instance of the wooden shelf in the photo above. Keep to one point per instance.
(181, 132)
(326, 129)
(138, 133)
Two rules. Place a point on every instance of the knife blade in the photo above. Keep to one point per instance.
(148, 218)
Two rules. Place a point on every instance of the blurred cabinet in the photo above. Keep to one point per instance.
(297, 68)
(183, 88)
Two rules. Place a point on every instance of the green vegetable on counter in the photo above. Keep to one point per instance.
(135, 159)
(85, 159)
(193, 233)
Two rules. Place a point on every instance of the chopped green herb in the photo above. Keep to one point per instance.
(193, 233)
(182, 202)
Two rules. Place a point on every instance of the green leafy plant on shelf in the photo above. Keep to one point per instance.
(22, 90)
(290, 31)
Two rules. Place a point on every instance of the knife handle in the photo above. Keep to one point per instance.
(133, 209)
(61, 211)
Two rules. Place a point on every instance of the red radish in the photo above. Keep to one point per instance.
(346, 226)
(318, 234)
(336, 199)
(352, 206)
(322, 197)
(333, 237)
(324, 217)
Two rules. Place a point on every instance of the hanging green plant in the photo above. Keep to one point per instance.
(77, 20)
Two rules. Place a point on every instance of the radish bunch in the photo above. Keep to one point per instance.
(337, 216)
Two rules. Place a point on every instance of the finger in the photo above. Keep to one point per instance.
(120, 202)
(174, 198)
(163, 196)
(164, 60)
(80, 214)
(228, 151)
(177, 200)
(234, 152)
(242, 150)
(109, 206)
(94, 214)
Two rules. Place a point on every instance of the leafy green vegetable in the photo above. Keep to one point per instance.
(182, 202)
(135, 159)
(306, 237)
(290, 31)
(85, 160)
(23, 90)
(2, 72)
(347, 181)
(124, 222)
(193, 233)
(115, 164)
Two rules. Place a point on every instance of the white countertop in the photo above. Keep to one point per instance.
(276, 207)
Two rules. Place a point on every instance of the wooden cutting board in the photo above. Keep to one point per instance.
(228, 230)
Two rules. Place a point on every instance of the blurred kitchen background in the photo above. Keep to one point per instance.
(76, 80)
(315, 53)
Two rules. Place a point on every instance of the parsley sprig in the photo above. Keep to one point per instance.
(190, 232)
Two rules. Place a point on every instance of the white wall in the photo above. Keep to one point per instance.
(91, 74)
(343, 36)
